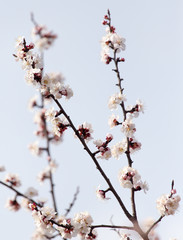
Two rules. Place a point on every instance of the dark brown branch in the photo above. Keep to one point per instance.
(20, 194)
(111, 226)
(129, 216)
(115, 59)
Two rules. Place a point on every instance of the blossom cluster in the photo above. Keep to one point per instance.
(128, 127)
(13, 180)
(111, 41)
(47, 222)
(52, 86)
(104, 150)
(79, 225)
(43, 38)
(42, 132)
(53, 83)
(46, 172)
(130, 178)
(12, 203)
(49, 84)
(168, 204)
(59, 124)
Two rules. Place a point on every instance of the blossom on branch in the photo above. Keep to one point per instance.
(82, 221)
(134, 145)
(12, 205)
(128, 127)
(69, 230)
(35, 149)
(43, 219)
(85, 131)
(54, 84)
(115, 100)
(43, 175)
(59, 125)
(111, 41)
(101, 194)
(119, 148)
(168, 204)
(13, 179)
(113, 121)
(130, 178)
(135, 110)
(105, 151)
(43, 38)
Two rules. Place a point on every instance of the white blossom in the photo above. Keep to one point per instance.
(33, 76)
(50, 114)
(85, 131)
(105, 151)
(25, 203)
(167, 205)
(59, 125)
(112, 40)
(54, 83)
(130, 178)
(31, 192)
(45, 174)
(12, 205)
(42, 219)
(82, 221)
(35, 149)
(13, 179)
(32, 60)
(53, 165)
(66, 233)
(128, 127)
(136, 109)
(42, 37)
(119, 148)
(113, 121)
(115, 100)
(134, 145)
(101, 194)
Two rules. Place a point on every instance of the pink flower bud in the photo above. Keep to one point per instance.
(173, 191)
(104, 22)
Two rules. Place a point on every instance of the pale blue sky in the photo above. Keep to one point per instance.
(152, 72)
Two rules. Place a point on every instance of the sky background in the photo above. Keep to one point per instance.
(152, 72)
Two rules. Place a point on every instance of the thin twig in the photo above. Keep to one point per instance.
(72, 203)
(154, 224)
